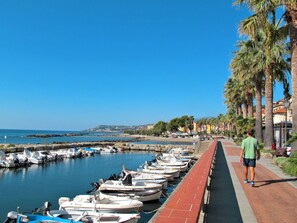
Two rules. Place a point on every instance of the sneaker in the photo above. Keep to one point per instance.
(252, 183)
(245, 181)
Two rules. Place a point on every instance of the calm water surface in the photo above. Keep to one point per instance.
(15, 136)
(30, 187)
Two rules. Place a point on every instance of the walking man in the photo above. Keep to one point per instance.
(249, 153)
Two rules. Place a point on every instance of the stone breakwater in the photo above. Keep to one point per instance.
(55, 146)
(155, 147)
(124, 146)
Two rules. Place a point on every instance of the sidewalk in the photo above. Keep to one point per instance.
(273, 199)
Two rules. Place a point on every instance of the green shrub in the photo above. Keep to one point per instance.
(262, 150)
(294, 155)
(281, 161)
(289, 165)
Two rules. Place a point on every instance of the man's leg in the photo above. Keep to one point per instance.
(245, 172)
(252, 171)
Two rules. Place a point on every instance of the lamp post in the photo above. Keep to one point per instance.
(286, 104)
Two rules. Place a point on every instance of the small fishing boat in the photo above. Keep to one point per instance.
(148, 168)
(95, 216)
(143, 196)
(14, 217)
(138, 176)
(97, 202)
(33, 158)
(182, 167)
(5, 162)
(144, 190)
(108, 150)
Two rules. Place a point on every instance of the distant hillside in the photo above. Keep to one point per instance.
(116, 128)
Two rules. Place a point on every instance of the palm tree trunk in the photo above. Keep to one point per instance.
(238, 108)
(250, 105)
(292, 11)
(268, 109)
(258, 127)
(244, 109)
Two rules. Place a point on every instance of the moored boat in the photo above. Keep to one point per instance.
(138, 176)
(100, 203)
(144, 190)
(14, 217)
(95, 216)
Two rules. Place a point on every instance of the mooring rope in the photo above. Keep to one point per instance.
(149, 212)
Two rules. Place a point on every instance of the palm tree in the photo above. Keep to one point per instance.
(245, 67)
(274, 53)
(291, 19)
(233, 95)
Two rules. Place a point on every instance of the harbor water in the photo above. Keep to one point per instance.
(28, 188)
(14, 136)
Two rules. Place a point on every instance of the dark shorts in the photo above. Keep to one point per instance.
(249, 162)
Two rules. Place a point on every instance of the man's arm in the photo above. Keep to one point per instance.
(241, 155)
(258, 154)
(258, 151)
(242, 151)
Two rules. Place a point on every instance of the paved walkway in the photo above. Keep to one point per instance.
(273, 199)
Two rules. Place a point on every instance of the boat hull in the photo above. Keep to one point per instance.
(92, 216)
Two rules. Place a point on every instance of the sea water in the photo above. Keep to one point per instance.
(15, 136)
(28, 188)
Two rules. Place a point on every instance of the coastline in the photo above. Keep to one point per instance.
(191, 144)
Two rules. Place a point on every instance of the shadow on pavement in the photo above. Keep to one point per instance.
(223, 205)
(268, 182)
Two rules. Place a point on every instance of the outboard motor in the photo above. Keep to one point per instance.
(96, 186)
(127, 179)
(113, 177)
(12, 217)
(44, 209)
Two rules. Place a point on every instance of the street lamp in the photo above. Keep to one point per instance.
(286, 104)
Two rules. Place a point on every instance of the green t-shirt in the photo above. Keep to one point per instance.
(250, 147)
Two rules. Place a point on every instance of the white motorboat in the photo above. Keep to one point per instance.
(180, 153)
(145, 191)
(118, 185)
(61, 153)
(49, 156)
(96, 149)
(178, 166)
(138, 176)
(87, 151)
(73, 153)
(146, 168)
(100, 203)
(95, 217)
(4, 162)
(108, 150)
(18, 159)
(33, 158)
(143, 196)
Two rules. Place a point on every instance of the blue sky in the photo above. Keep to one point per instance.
(75, 64)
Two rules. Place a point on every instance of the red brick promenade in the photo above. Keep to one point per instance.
(185, 203)
(272, 200)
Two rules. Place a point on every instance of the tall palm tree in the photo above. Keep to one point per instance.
(275, 36)
(245, 66)
(291, 19)
(233, 96)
